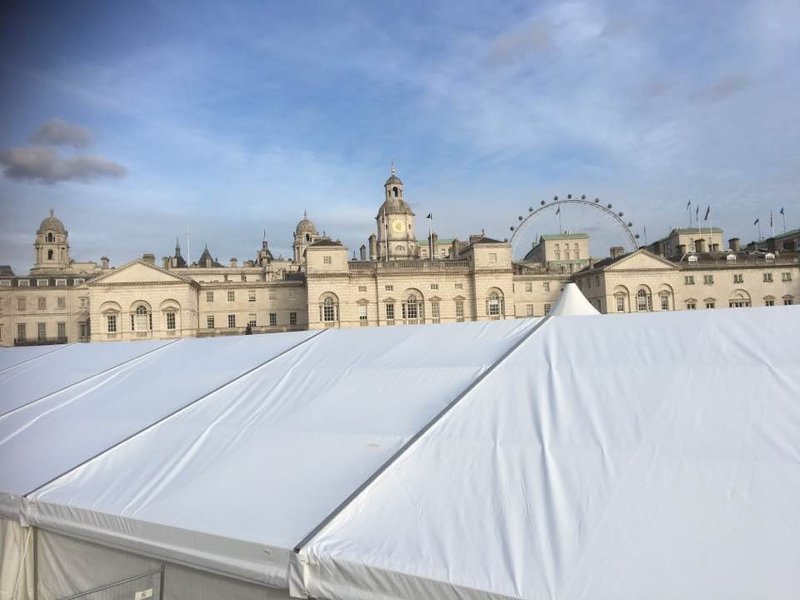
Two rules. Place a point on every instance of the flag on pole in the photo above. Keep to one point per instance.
(558, 211)
(688, 205)
(756, 222)
(708, 211)
(770, 218)
(783, 213)
(697, 214)
(430, 216)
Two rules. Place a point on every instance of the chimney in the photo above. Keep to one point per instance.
(660, 248)
(617, 251)
(734, 244)
(149, 258)
(104, 262)
(234, 263)
(362, 252)
(373, 247)
(681, 249)
(700, 245)
(714, 247)
(167, 261)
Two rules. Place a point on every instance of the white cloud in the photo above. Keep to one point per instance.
(60, 133)
(38, 163)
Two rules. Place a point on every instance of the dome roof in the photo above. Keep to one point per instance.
(305, 226)
(395, 206)
(394, 179)
(52, 223)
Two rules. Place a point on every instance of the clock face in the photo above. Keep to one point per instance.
(397, 226)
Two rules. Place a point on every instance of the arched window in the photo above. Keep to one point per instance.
(643, 301)
(329, 310)
(412, 308)
(395, 190)
(308, 237)
(142, 319)
(494, 305)
(49, 255)
(577, 252)
(558, 255)
(566, 254)
(50, 237)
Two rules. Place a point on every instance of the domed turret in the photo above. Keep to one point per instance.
(52, 224)
(52, 247)
(394, 203)
(305, 234)
(395, 221)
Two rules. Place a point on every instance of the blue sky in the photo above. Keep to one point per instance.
(136, 121)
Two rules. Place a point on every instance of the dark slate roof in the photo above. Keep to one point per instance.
(324, 243)
(201, 262)
(6, 270)
(487, 240)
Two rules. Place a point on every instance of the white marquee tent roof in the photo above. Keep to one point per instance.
(653, 455)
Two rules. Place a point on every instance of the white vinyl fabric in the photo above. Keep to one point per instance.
(47, 437)
(234, 481)
(572, 303)
(646, 456)
(10, 357)
(650, 456)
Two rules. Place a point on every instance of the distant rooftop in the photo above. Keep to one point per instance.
(564, 236)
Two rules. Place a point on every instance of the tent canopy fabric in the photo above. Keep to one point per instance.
(572, 303)
(656, 455)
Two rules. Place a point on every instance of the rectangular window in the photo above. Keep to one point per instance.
(41, 330)
(111, 323)
(434, 286)
(546, 286)
(251, 296)
(78, 281)
(210, 321)
(61, 302)
(24, 283)
(708, 279)
(547, 309)
(528, 286)
(83, 331)
(390, 314)
(171, 321)
(459, 286)
(788, 301)
(769, 302)
(273, 319)
(786, 276)
(620, 303)
(529, 309)
(710, 305)
(231, 320)
(292, 318)
(435, 313)
(41, 282)
(362, 288)
(738, 278)
(691, 306)
(460, 311)
(493, 257)
(21, 304)
(688, 280)
(209, 296)
(388, 288)
(271, 296)
(251, 319)
(767, 277)
(5, 283)
(326, 260)
(231, 296)
(41, 302)
(61, 282)
(362, 315)
(664, 302)
(62, 330)
(21, 331)
(84, 302)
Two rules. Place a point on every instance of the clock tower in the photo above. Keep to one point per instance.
(395, 221)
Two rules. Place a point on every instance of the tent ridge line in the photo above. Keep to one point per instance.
(414, 438)
(173, 413)
(92, 376)
(32, 358)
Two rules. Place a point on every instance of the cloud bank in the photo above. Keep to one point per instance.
(43, 164)
(57, 132)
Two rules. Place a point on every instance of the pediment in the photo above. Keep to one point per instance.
(138, 271)
(641, 260)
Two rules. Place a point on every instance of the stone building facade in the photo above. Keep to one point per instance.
(396, 279)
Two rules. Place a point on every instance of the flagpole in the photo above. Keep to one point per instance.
(430, 236)
(188, 249)
(783, 214)
(771, 225)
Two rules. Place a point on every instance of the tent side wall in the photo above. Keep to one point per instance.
(67, 566)
(16, 561)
